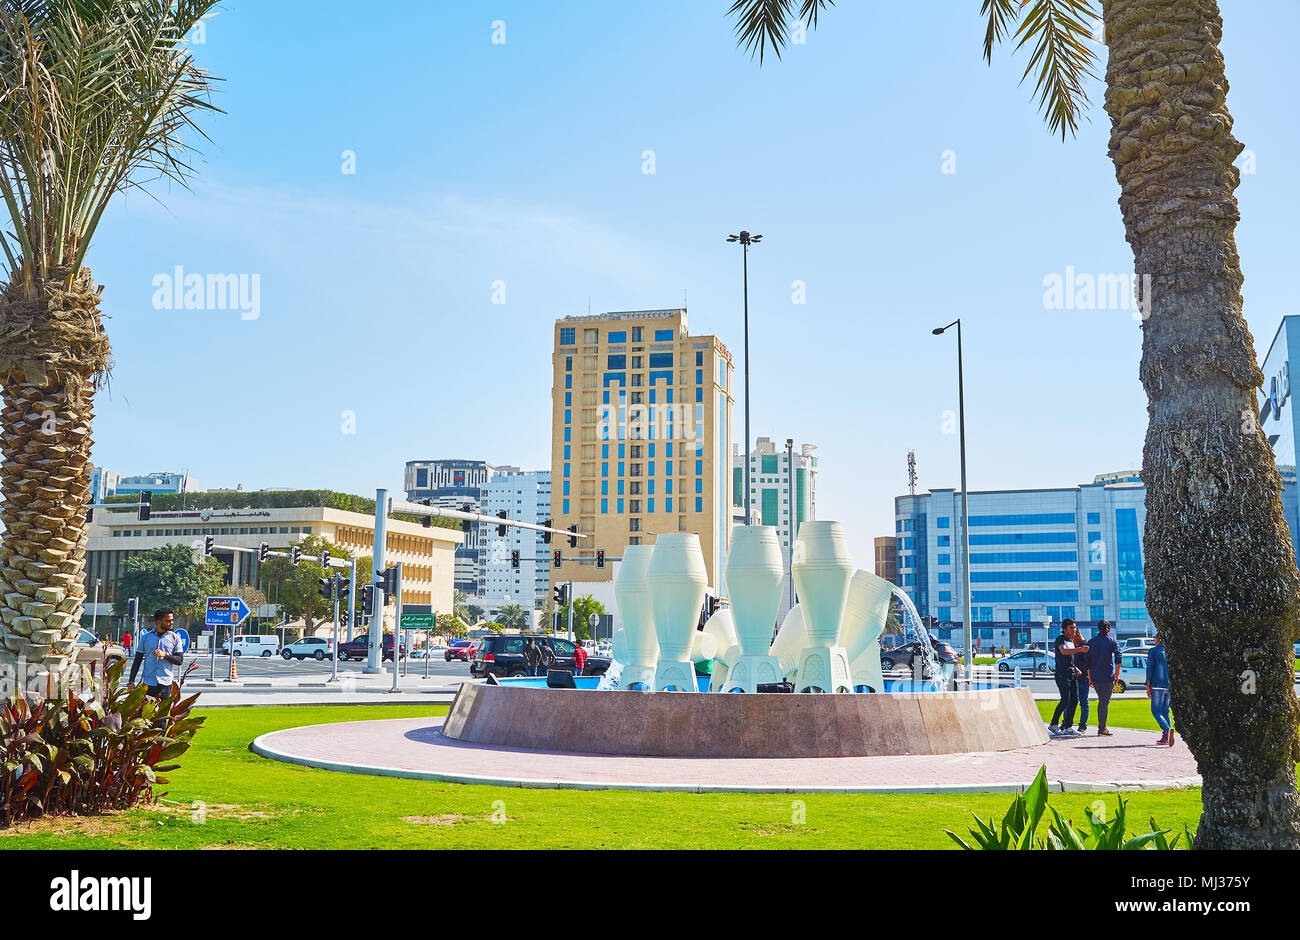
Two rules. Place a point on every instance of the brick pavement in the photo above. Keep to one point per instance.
(415, 747)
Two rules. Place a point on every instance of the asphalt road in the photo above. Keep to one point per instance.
(275, 667)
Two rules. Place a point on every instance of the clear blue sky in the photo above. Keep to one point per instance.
(522, 162)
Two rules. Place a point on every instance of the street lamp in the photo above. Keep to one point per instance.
(746, 240)
(790, 531)
(967, 631)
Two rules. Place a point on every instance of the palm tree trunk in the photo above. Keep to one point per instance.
(52, 346)
(1221, 578)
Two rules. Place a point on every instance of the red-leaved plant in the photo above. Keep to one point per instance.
(90, 752)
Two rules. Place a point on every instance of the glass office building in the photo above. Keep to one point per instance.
(1037, 557)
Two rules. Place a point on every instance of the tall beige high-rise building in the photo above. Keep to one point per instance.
(641, 436)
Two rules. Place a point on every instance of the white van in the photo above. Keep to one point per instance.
(257, 645)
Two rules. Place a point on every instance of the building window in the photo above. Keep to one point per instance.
(1094, 518)
(617, 336)
(1096, 613)
(942, 522)
(634, 524)
(699, 504)
(591, 336)
(945, 540)
(668, 503)
(945, 559)
(636, 334)
(945, 577)
(1096, 594)
(568, 336)
(664, 336)
(634, 505)
(1094, 574)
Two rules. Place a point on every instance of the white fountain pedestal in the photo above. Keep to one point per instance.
(825, 669)
(747, 673)
(675, 676)
(632, 675)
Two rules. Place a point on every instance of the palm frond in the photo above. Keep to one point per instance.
(1000, 14)
(1060, 32)
(760, 23)
(96, 97)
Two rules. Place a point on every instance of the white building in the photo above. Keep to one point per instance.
(783, 493)
(524, 497)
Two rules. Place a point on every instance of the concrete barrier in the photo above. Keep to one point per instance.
(685, 724)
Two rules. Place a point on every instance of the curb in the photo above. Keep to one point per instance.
(260, 748)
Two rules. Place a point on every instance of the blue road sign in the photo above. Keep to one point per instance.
(225, 611)
(185, 639)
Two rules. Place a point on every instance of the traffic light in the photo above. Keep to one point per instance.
(356, 618)
(501, 530)
(514, 558)
(327, 588)
(555, 557)
(132, 611)
(345, 588)
(388, 581)
(324, 557)
(367, 600)
(295, 555)
(284, 617)
(427, 520)
(600, 558)
(145, 506)
(546, 536)
(90, 517)
(561, 594)
(573, 539)
(207, 546)
(263, 550)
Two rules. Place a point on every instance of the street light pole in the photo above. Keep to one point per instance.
(790, 532)
(746, 240)
(967, 628)
(94, 613)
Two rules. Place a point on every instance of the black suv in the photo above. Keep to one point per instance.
(503, 655)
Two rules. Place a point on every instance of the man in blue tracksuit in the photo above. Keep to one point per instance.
(1158, 689)
(1104, 660)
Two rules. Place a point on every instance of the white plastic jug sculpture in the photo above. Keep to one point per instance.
(754, 574)
(790, 641)
(865, 612)
(822, 571)
(722, 628)
(677, 579)
(639, 649)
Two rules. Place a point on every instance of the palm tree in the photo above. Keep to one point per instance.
(1221, 579)
(95, 96)
(459, 607)
(513, 617)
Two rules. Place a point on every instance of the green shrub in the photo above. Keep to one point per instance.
(1019, 827)
(90, 752)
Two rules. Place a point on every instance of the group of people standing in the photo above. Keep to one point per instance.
(539, 658)
(1095, 665)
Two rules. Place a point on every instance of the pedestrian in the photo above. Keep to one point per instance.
(1104, 660)
(159, 651)
(546, 658)
(1066, 649)
(532, 657)
(1082, 679)
(579, 659)
(1158, 689)
(126, 642)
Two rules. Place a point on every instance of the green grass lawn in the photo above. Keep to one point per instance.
(251, 802)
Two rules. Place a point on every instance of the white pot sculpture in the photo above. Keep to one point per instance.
(822, 570)
(677, 580)
(754, 574)
(639, 646)
(790, 640)
(863, 623)
(722, 628)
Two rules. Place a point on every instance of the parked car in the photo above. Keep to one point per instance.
(313, 646)
(1036, 661)
(90, 651)
(1132, 671)
(901, 656)
(503, 655)
(458, 649)
(1138, 644)
(360, 648)
(254, 645)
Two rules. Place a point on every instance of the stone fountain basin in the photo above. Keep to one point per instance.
(688, 724)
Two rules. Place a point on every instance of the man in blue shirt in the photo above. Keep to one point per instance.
(1158, 689)
(160, 652)
(1104, 660)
